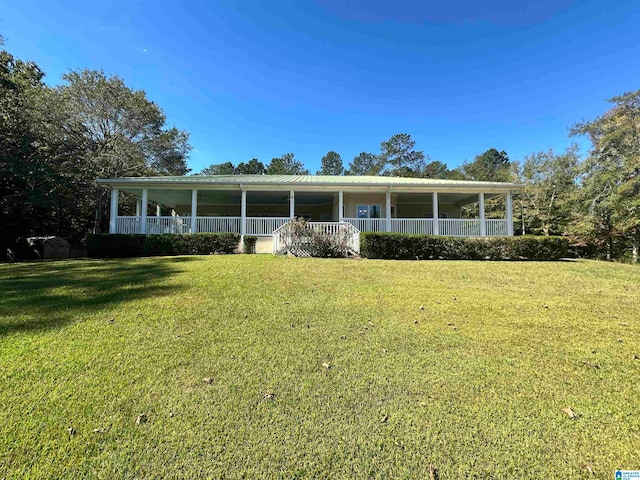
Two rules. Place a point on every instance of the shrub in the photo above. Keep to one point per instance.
(398, 246)
(249, 244)
(303, 239)
(119, 246)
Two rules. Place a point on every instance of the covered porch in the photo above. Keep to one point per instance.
(259, 212)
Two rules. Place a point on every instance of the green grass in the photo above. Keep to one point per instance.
(473, 382)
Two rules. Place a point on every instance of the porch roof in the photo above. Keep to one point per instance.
(310, 182)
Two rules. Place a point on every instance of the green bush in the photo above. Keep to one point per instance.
(119, 246)
(398, 246)
(249, 244)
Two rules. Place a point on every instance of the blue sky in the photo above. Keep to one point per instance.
(259, 79)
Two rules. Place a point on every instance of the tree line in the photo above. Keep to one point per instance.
(595, 200)
(55, 141)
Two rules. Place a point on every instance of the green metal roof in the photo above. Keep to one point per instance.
(310, 180)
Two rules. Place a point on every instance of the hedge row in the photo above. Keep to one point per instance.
(119, 246)
(398, 246)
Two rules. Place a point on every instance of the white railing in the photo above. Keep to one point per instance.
(459, 227)
(218, 224)
(368, 224)
(412, 225)
(128, 224)
(496, 227)
(264, 226)
(161, 225)
(283, 238)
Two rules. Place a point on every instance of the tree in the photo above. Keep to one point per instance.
(490, 166)
(437, 169)
(252, 167)
(331, 164)
(286, 165)
(24, 178)
(399, 157)
(125, 132)
(226, 168)
(611, 186)
(365, 164)
(550, 187)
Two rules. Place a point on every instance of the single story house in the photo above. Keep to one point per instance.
(258, 205)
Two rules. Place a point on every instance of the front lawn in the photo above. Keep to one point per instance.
(251, 366)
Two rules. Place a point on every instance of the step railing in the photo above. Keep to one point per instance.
(297, 238)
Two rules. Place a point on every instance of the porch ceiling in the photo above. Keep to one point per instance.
(173, 197)
(459, 199)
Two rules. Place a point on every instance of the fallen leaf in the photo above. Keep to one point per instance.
(544, 305)
(111, 320)
(71, 431)
(589, 469)
(569, 411)
(415, 322)
(342, 337)
(384, 350)
(371, 324)
(142, 418)
(636, 357)
(450, 324)
(384, 418)
(100, 430)
(326, 365)
(421, 308)
(619, 340)
(454, 299)
(432, 472)
(269, 396)
(208, 380)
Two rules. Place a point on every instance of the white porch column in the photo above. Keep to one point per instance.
(113, 214)
(145, 207)
(157, 210)
(509, 212)
(138, 207)
(388, 211)
(292, 204)
(483, 224)
(194, 211)
(340, 206)
(436, 223)
(243, 213)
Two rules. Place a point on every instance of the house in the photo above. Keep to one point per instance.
(258, 205)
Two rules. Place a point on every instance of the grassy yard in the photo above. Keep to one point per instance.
(318, 368)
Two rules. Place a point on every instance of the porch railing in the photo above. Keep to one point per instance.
(459, 227)
(264, 226)
(412, 225)
(218, 224)
(128, 224)
(162, 225)
(368, 224)
(496, 227)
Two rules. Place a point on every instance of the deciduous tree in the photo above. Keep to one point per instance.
(611, 185)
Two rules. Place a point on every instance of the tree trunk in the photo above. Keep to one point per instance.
(636, 247)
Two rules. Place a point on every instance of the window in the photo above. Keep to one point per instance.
(369, 211)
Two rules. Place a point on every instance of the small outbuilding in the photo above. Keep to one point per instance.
(50, 247)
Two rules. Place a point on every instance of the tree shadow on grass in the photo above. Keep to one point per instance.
(47, 295)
